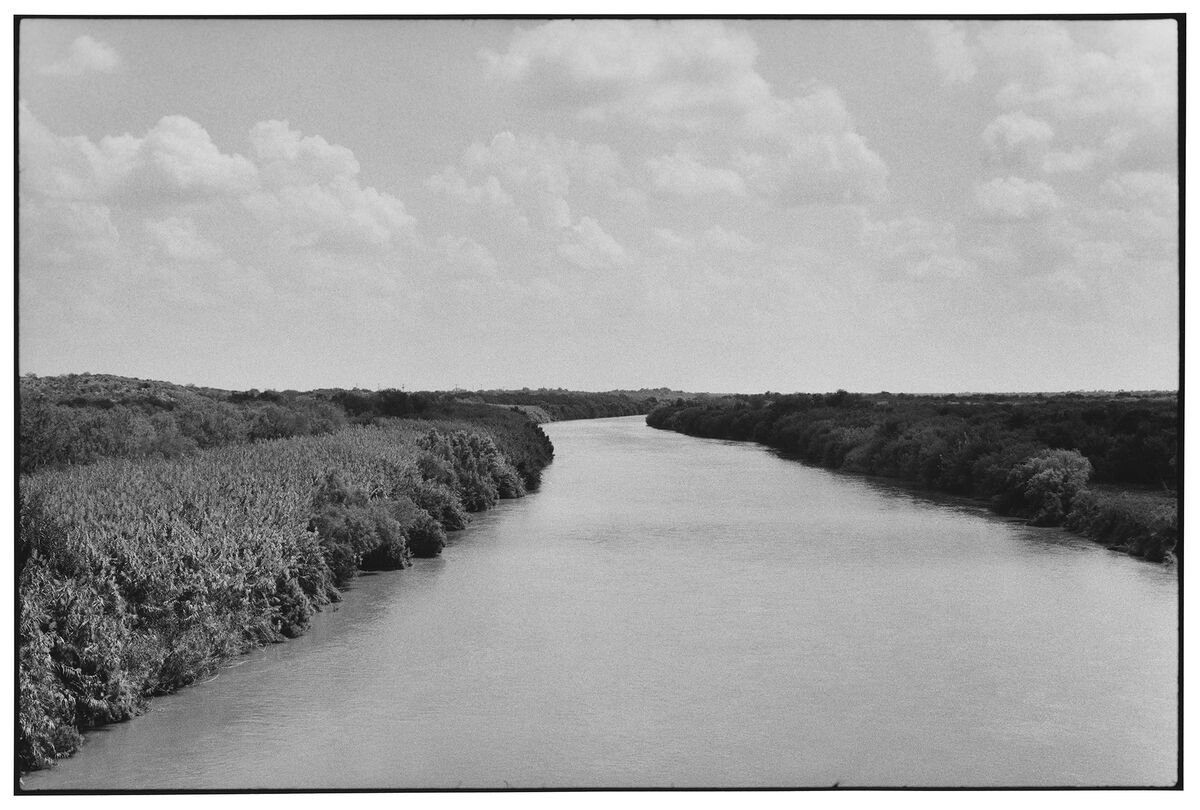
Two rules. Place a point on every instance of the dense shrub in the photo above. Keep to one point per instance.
(81, 418)
(546, 404)
(470, 464)
(438, 499)
(1143, 524)
(1043, 486)
(137, 577)
(1031, 455)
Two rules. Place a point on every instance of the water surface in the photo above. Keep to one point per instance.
(678, 611)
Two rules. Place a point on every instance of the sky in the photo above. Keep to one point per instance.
(708, 205)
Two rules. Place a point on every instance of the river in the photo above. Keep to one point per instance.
(669, 610)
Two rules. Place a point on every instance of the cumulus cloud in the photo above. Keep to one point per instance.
(177, 156)
(172, 215)
(817, 169)
(464, 252)
(679, 74)
(178, 239)
(300, 186)
(531, 179)
(804, 150)
(592, 248)
(671, 240)
(489, 193)
(85, 55)
(311, 196)
(1076, 159)
(916, 247)
(1014, 131)
(732, 241)
(680, 173)
(951, 54)
(697, 78)
(176, 159)
(1106, 92)
(1139, 208)
(1015, 198)
(1158, 189)
(1092, 107)
(1125, 69)
(288, 157)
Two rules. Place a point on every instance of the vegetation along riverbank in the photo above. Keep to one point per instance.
(164, 528)
(1104, 465)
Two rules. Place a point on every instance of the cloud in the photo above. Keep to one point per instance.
(532, 179)
(732, 241)
(804, 150)
(1015, 198)
(62, 232)
(1141, 209)
(670, 240)
(1091, 106)
(1014, 131)
(286, 157)
(916, 247)
(169, 216)
(1158, 189)
(1104, 91)
(489, 193)
(679, 74)
(179, 240)
(176, 159)
(817, 169)
(464, 252)
(1120, 70)
(592, 248)
(698, 79)
(951, 55)
(1077, 159)
(177, 156)
(85, 55)
(680, 173)
(311, 196)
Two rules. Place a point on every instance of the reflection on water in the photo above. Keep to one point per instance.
(676, 611)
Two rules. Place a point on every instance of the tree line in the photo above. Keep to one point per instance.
(80, 418)
(1103, 464)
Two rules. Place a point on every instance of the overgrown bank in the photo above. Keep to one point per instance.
(1105, 466)
(79, 418)
(138, 576)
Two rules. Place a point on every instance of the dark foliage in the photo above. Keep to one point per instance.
(81, 418)
(1029, 455)
(140, 576)
(559, 405)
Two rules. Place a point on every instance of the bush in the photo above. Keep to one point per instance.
(1043, 486)
(439, 500)
(1146, 525)
(137, 577)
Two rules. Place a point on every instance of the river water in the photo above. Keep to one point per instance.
(669, 610)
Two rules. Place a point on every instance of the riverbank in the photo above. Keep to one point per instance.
(138, 577)
(1102, 466)
(667, 606)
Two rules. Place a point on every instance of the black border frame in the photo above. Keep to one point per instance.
(1181, 28)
